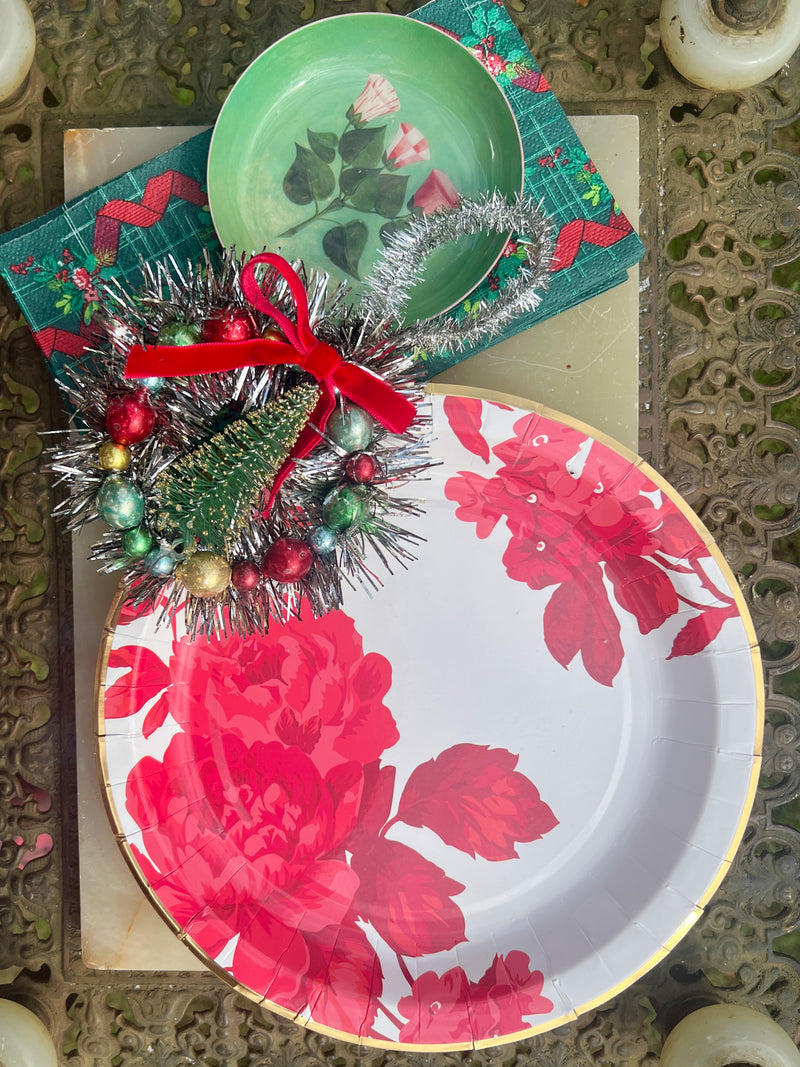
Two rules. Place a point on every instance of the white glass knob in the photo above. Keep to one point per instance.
(17, 45)
(24, 1039)
(726, 54)
(725, 1034)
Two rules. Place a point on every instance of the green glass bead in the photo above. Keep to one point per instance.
(351, 428)
(178, 333)
(136, 543)
(119, 502)
(345, 506)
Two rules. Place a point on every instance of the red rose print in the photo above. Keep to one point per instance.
(700, 631)
(308, 685)
(449, 1008)
(506, 994)
(215, 804)
(345, 980)
(148, 676)
(438, 1009)
(263, 823)
(464, 415)
(579, 618)
(376, 805)
(583, 519)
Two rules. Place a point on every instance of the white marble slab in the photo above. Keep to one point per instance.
(583, 362)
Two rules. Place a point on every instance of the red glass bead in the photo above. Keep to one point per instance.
(361, 467)
(235, 324)
(245, 575)
(287, 560)
(130, 418)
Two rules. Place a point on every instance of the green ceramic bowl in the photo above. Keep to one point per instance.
(342, 129)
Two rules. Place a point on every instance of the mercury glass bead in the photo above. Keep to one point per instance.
(323, 540)
(204, 573)
(119, 502)
(160, 561)
(113, 457)
(178, 333)
(351, 428)
(345, 506)
(152, 385)
(136, 543)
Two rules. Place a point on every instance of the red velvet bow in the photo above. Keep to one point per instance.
(302, 348)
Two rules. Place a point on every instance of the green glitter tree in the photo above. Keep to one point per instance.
(208, 494)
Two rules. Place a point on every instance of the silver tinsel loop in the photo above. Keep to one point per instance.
(402, 262)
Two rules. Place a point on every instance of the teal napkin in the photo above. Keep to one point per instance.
(53, 263)
(161, 208)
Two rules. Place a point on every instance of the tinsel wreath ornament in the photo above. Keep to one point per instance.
(248, 440)
(248, 437)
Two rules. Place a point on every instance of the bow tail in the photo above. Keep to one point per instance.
(375, 396)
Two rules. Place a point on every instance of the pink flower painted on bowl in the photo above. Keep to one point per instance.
(449, 1008)
(408, 146)
(376, 99)
(435, 193)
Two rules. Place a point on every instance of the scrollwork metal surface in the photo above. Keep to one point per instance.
(720, 416)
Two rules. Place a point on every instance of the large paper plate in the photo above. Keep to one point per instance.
(347, 126)
(470, 808)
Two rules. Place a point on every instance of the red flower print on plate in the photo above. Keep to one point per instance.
(267, 822)
(583, 519)
(449, 1008)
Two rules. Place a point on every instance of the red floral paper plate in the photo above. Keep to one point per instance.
(472, 807)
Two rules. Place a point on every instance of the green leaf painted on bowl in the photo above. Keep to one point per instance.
(343, 246)
(391, 193)
(365, 194)
(388, 230)
(323, 144)
(309, 178)
(352, 177)
(364, 147)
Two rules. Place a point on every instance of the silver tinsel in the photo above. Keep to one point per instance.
(188, 409)
(400, 267)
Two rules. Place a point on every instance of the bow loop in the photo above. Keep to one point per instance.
(321, 360)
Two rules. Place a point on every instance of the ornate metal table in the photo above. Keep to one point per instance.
(719, 416)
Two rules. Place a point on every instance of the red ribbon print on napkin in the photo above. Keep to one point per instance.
(579, 231)
(301, 348)
(147, 212)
